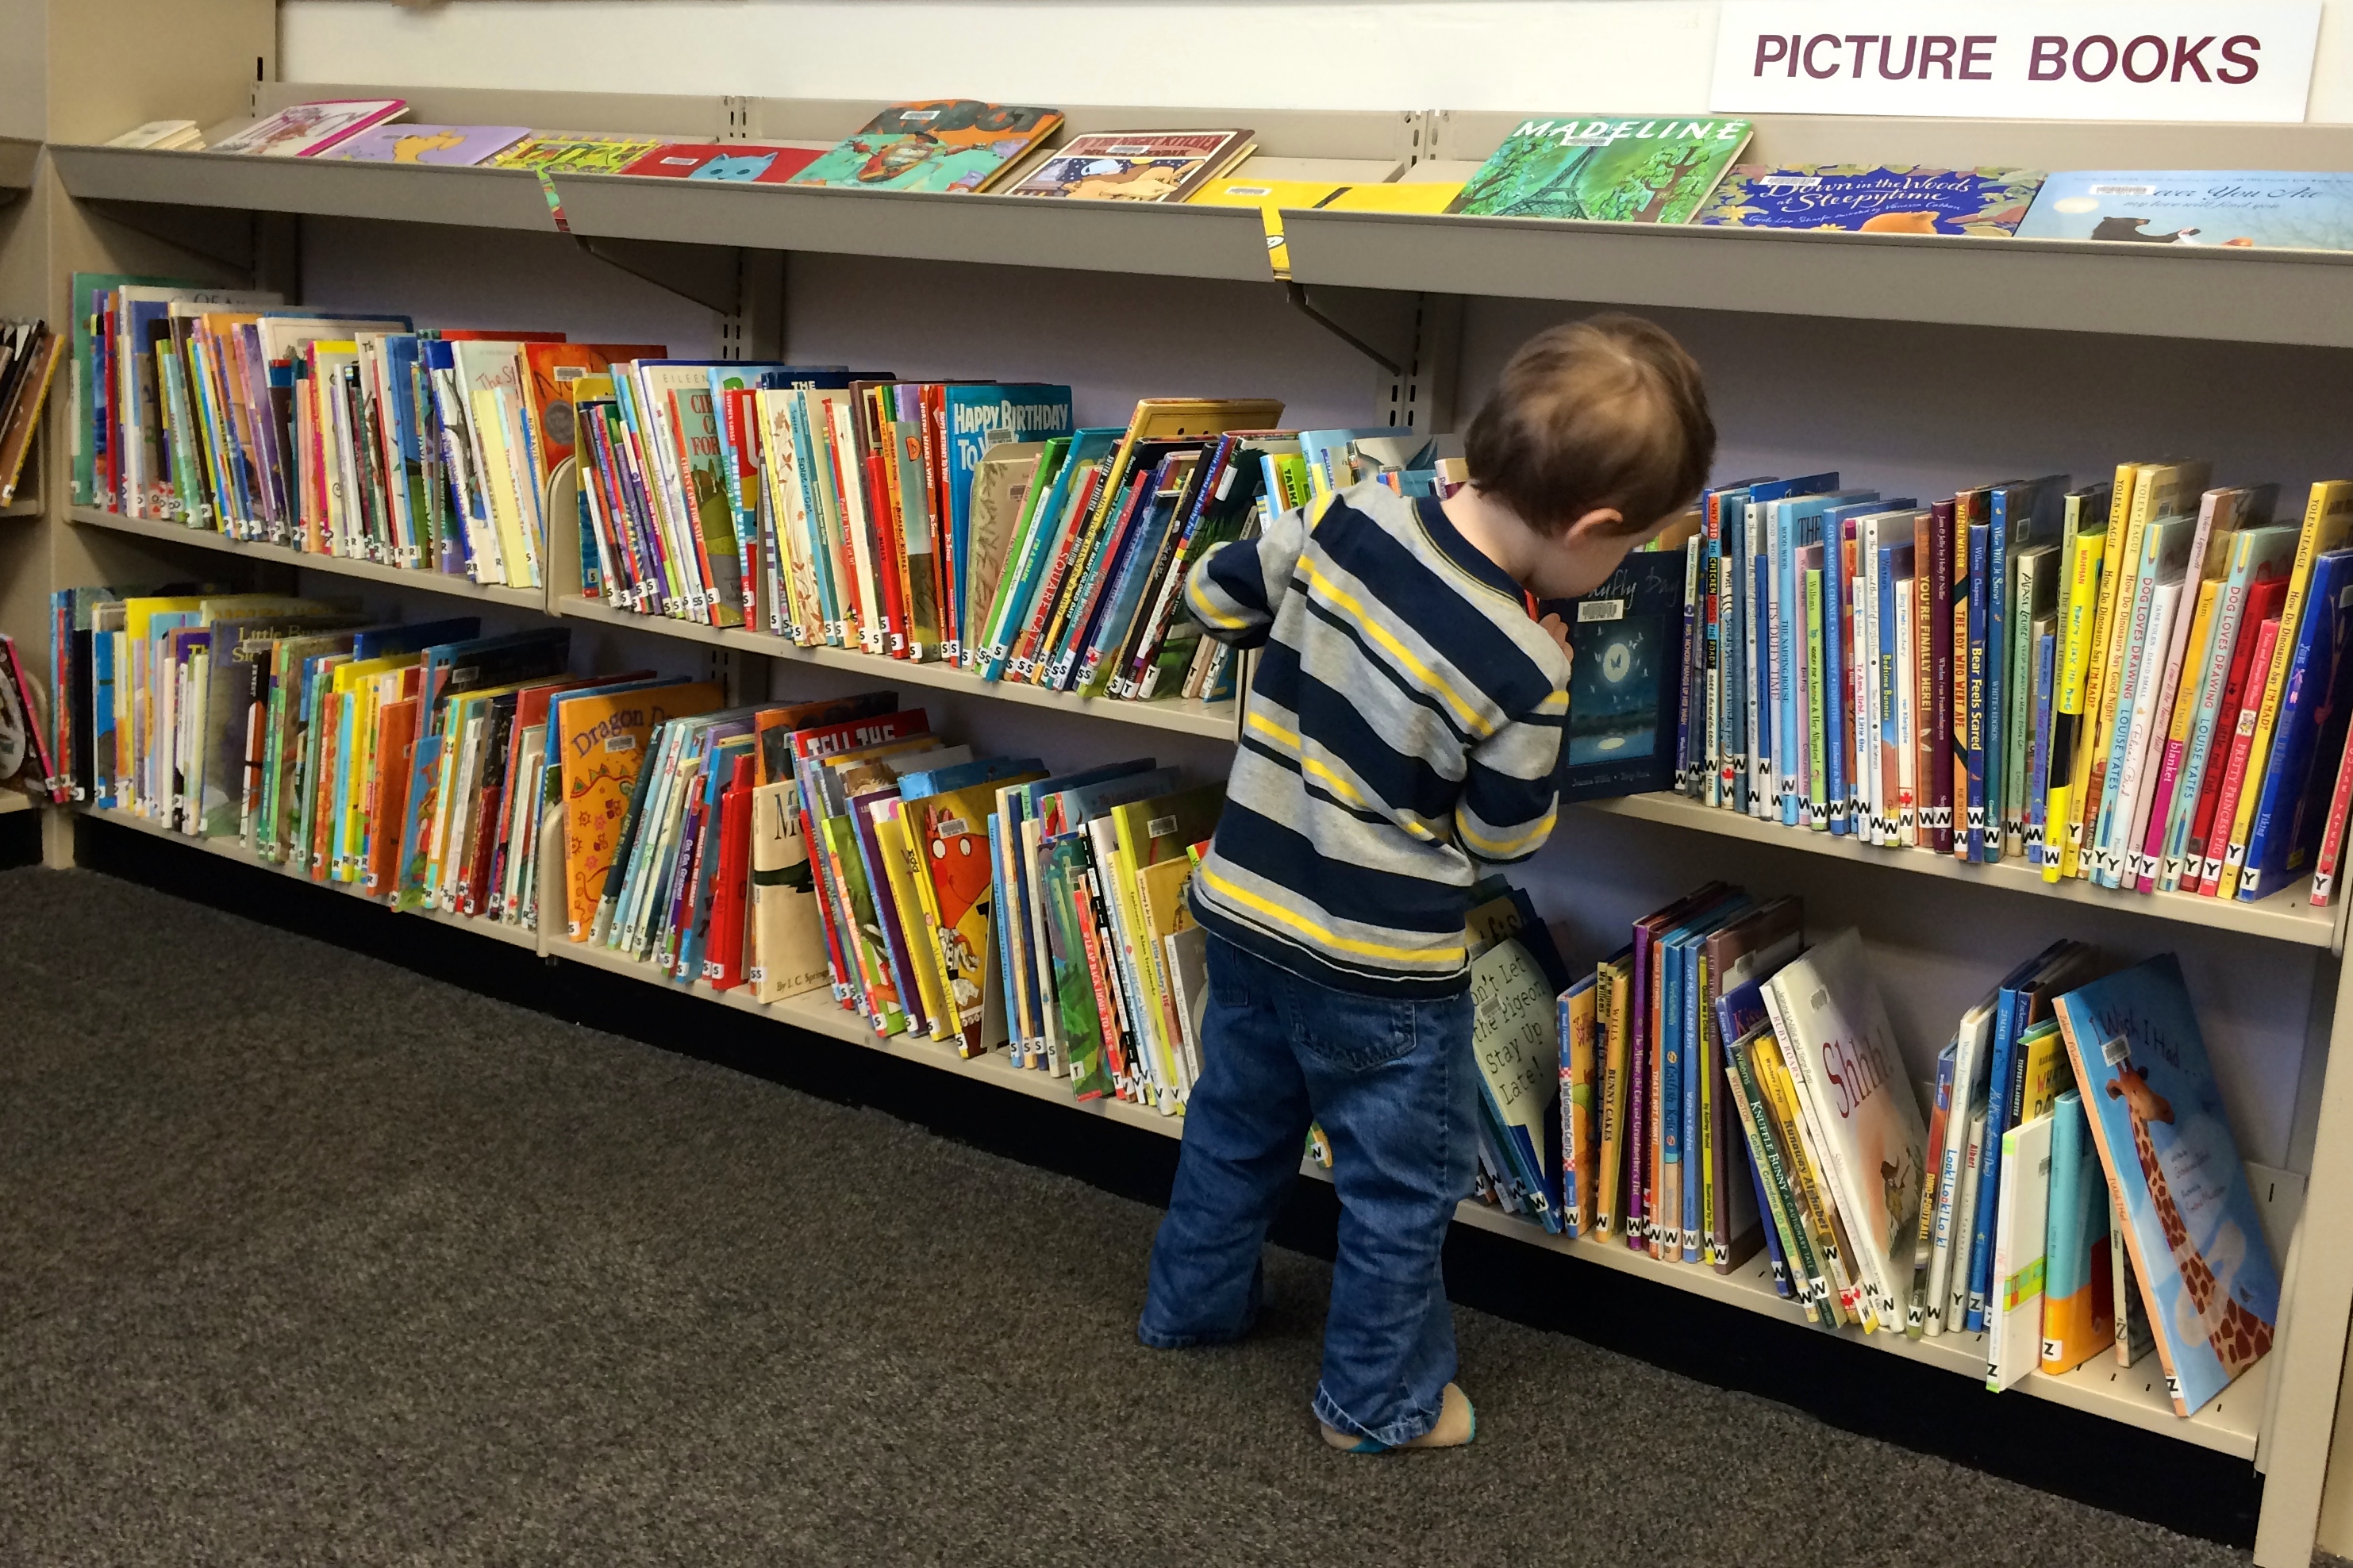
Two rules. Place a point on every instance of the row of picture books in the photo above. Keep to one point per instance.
(784, 847)
(2068, 1186)
(1630, 168)
(2144, 683)
(965, 521)
(333, 432)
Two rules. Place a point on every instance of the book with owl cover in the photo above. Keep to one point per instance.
(2190, 1228)
(742, 163)
(453, 146)
(601, 745)
(1887, 198)
(1835, 1033)
(549, 371)
(1626, 647)
(1136, 166)
(1616, 169)
(2236, 207)
(937, 145)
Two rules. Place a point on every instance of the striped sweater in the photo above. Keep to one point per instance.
(1404, 727)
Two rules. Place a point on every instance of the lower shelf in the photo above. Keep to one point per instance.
(2133, 1396)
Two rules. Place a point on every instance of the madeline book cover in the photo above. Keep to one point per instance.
(2195, 1241)
(1888, 198)
(459, 146)
(1638, 169)
(939, 144)
(2236, 207)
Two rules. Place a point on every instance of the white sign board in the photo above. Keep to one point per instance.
(2006, 62)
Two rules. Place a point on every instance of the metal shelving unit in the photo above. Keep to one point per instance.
(2280, 1417)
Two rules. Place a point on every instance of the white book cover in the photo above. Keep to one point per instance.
(2145, 740)
(1948, 1264)
(2014, 1317)
(1834, 1028)
(1957, 1296)
(306, 129)
(2165, 550)
(1907, 743)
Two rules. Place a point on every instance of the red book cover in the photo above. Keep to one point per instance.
(396, 741)
(2332, 835)
(723, 952)
(486, 336)
(731, 162)
(1023, 660)
(2243, 739)
(2263, 600)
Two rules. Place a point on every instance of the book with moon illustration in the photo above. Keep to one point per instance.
(1873, 198)
(1625, 683)
(2237, 208)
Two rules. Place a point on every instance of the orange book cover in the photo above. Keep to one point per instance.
(603, 744)
(396, 741)
(551, 368)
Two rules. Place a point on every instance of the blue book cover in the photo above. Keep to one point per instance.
(1797, 522)
(102, 727)
(1679, 1089)
(2238, 207)
(1884, 198)
(2078, 1281)
(1894, 566)
(412, 636)
(2191, 1228)
(922, 785)
(2301, 772)
(1023, 410)
(1759, 656)
(2023, 1001)
(1626, 678)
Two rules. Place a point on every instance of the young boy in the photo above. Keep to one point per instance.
(1403, 730)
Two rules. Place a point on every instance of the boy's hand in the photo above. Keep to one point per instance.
(1556, 629)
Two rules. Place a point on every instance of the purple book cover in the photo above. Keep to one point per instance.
(459, 146)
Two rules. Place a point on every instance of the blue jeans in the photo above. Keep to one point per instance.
(1391, 1083)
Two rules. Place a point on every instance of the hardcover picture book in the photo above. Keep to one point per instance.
(460, 146)
(1136, 166)
(1888, 198)
(576, 153)
(744, 162)
(1639, 169)
(2280, 209)
(937, 145)
(306, 129)
(2195, 1240)
(1625, 684)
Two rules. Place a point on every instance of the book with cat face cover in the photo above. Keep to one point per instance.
(937, 144)
(739, 162)
(1885, 198)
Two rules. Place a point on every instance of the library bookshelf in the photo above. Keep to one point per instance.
(115, 209)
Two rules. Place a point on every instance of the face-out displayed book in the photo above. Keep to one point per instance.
(1617, 169)
(937, 145)
(751, 163)
(1136, 166)
(455, 146)
(1899, 198)
(577, 152)
(2236, 207)
(307, 129)
(2190, 1225)
(1626, 650)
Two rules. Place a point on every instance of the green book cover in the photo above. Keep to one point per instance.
(1620, 169)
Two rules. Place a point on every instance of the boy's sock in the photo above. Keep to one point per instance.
(1456, 1425)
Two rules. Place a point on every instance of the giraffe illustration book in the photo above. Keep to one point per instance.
(2192, 1225)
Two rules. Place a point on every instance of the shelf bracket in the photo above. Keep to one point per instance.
(708, 275)
(1296, 293)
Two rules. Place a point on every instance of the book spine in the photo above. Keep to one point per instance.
(2332, 832)
(2212, 876)
(1975, 715)
(1936, 735)
(1756, 655)
(1837, 640)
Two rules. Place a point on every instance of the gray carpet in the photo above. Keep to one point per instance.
(305, 1258)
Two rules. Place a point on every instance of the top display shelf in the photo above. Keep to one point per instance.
(2230, 294)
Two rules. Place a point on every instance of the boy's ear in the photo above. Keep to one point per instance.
(1602, 520)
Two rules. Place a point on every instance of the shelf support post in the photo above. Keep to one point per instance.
(2316, 1307)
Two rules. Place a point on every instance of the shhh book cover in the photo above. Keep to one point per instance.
(1888, 198)
(1626, 647)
